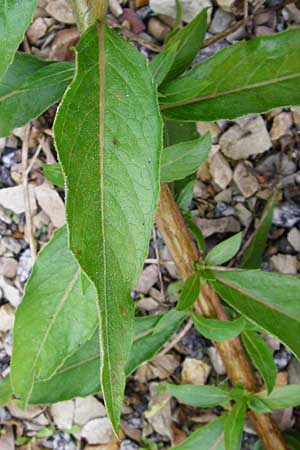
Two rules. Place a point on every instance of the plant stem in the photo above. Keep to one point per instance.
(87, 12)
(184, 253)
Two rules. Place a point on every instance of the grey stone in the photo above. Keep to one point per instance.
(8, 267)
(284, 263)
(191, 8)
(222, 225)
(221, 21)
(294, 239)
(245, 180)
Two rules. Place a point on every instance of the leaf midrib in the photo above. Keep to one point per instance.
(229, 92)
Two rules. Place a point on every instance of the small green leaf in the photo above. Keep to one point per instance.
(270, 300)
(189, 41)
(184, 192)
(199, 396)
(252, 257)
(5, 391)
(195, 230)
(175, 132)
(258, 405)
(183, 159)
(244, 78)
(218, 330)
(29, 88)
(282, 397)
(162, 63)
(209, 437)
(261, 356)
(190, 292)
(224, 251)
(54, 174)
(234, 425)
(169, 318)
(15, 17)
(54, 318)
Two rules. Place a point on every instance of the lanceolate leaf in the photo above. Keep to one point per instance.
(15, 17)
(190, 292)
(162, 63)
(183, 159)
(54, 173)
(244, 78)
(209, 437)
(108, 135)
(261, 356)
(79, 376)
(29, 88)
(199, 396)
(218, 330)
(269, 300)
(282, 397)
(224, 251)
(54, 318)
(234, 425)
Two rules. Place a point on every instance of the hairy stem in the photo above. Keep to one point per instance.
(184, 253)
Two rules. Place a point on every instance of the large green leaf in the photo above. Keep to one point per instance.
(209, 437)
(79, 376)
(15, 17)
(180, 160)
(261, 356)
(54, 318)
(199, 396)
(29, 87)
(5, 391)
(248, 77)
(270, 300)
(108, 136)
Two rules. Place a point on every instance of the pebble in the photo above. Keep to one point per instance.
(245, 181)
(13, 198)
(286, 215)
(37, 30)
(294, 371)
(7, 317)
(282, 358)
(51, 203)
(158, 29)
(147, 279)
(194, 371)
(221, 21)
(10, 292)
(216, 361)
(281, 126)
(63, 414)
(8, 267)
(63, 441)
(226, 5)
(243, 214)
(212, 127)
(136, 24)
(116, 8)
(97, 431)
(148, 304)
(86, 409)
(24, 266)
(294, 239)
(274, 164)
(219, 169)
(190, 8)
(222, 225)
(127, 444)
(249, 136)
(61, 10)
(12, 245)
(286, 264)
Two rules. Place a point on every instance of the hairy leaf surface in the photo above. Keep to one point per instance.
(54, 318)
(108, 135)
(270, 300)
(248, 77)
(29, 88)
(15, 17)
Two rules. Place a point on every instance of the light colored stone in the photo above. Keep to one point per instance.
(221, 21)
(224, 196)
(116, 8)
(63, 414)
(97, 431)
(294, 372)
(284, 264)
(281, 125)
(249, 136)
(51, 204)
(7, 317)
(246, 182)
(7, 440)
(147, 303)
(13, 198)
(37, 30)
(86, 409)
(294, 239)
(194, 371)
(61, 10)
(223, 225)
(212, 127)
(8, 267)
(148, 278)
(31, 412)
(296, 114)
(159, 412)
(11, 244)
(169, 263)
(190, 8)
(10, 292)
(158, 29)
(216, 361)
(220, 169)
(243, 214)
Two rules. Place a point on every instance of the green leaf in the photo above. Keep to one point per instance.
(54, 318)
(189, 41)
(224, 251)
(29, 88)
(190, 292)
(209, 437)
(183, 159)
(258, 405)
(162, 63)
(54, 174)
(108, 136)
(252, 257)
(282, 397)
(175, 132)
(185, 191)
(15, 17)
(234, 425)
(218, 330)
(168, 319)
(261, 356)
(79, 375)
(248, 77)
(270, 300)
(197, 233)
(199, 396)
(5, 391)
